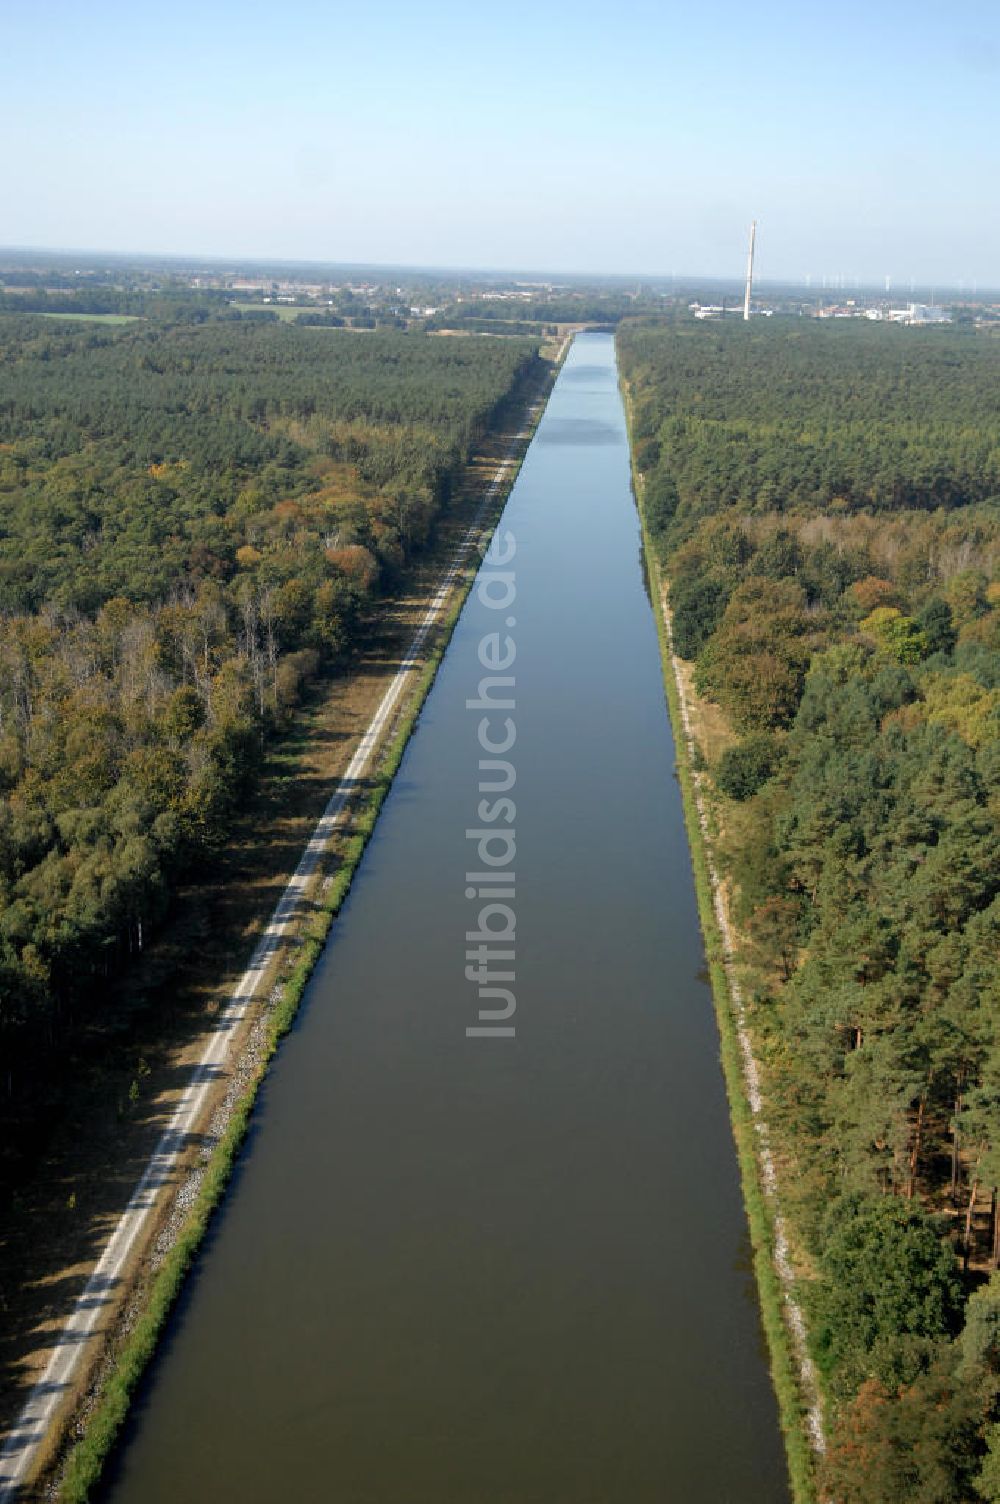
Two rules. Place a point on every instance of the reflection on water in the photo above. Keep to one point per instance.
(496, 1272)
(585, 431)
(579, 373)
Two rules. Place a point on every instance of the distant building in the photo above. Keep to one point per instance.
(913, 313)
(918, 313)
(717, 311)
(928, 313)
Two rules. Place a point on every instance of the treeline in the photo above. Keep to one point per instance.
(192, 521)
(569, 308)
(164, 304)
(825, 504)
(124, 455)
(182, 304)
(488, 325)
(806, 415)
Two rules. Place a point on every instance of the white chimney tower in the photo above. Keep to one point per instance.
(746, 300)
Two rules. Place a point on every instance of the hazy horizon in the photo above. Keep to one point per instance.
(634, 145)
(684, 279)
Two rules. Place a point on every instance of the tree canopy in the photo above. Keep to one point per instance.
(826, 505)
(195, 518)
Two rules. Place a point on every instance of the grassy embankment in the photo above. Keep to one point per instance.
(784, 1369)
(85, 1461)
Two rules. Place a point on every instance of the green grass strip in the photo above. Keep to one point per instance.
(784, 1369)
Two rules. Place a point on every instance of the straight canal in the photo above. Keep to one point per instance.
(495, 1269)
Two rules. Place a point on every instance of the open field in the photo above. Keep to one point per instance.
(96, 318)
(287, 312)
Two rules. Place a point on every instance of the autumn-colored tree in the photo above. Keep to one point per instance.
(915, 1446)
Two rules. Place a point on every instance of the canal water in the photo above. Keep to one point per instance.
(495, 1269)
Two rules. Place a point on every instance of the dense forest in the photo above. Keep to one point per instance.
(179, 303)
(194, 519)
(826, 504)
(566, 307)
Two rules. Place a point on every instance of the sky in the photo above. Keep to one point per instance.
(637, 138)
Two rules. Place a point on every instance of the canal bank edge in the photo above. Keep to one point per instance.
(792, 1372)
(102, 1407)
